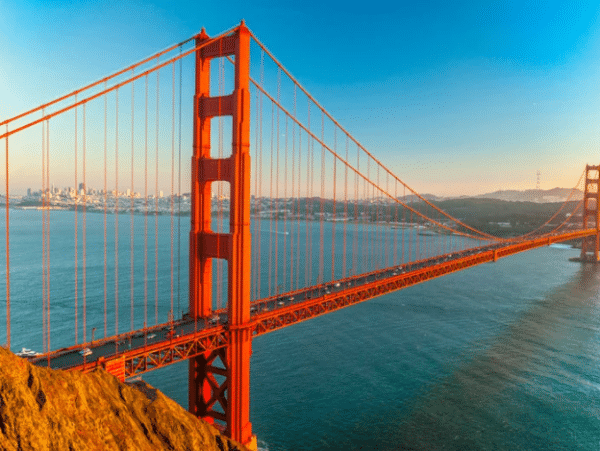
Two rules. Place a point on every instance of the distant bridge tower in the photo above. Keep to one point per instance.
(219, 381)
(591, 214)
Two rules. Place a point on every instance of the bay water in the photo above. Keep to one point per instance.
(502, 356)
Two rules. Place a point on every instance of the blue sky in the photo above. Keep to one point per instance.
(455, 98)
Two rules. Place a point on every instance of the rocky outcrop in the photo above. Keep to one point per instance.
(43, 409)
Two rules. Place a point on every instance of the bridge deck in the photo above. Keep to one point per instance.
(144, 350)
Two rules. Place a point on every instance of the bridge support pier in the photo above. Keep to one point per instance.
(590, 245)
(221, 391)
(207, 386)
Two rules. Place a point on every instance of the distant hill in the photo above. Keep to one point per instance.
(504, 217)
(530, 195)
(410, 198)
(533, 195)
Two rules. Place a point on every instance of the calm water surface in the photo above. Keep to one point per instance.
(503, 356)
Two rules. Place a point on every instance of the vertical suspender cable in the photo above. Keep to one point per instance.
(403, 223)
(366, 220)
(179, 195)
(345, 211)
(75, 233)
(439, 238)
(436, 242)
(7, 246)
(395, 223)
(322, 205)
(298, 207)
(375, 234)
(311, 167)
(387, 225)
(298, 196)
(410, 235)
(356, 223)
(131, 228)
(298, 193)
(366, 217)
(424, 231)
(84, 235)
(285, 205)
(443, 245)
(379, 214)
(47, 238)
(116, 212)
(146, 204)
(105, 208)
(417, 238)
(292, 286)
(361, 195)
(271, 202)
(308, 254)
(333, 206)
(259, 173)
(44, 234)
(378, 231)
(156, 193)
(172, 188)
(276, 237)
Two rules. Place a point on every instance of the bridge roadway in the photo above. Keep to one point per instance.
(147, 349)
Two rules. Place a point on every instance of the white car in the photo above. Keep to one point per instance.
(27, 353)
(85, 352)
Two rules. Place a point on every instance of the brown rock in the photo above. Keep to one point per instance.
(43, 409)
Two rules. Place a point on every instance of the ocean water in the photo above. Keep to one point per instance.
(503, 356)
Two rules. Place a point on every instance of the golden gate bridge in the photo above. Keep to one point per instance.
(291, 218)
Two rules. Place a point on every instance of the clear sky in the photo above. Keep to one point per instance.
(455, 97)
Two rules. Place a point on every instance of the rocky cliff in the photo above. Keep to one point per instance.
(43, 409)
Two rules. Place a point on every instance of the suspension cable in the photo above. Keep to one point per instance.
(318, 140)
(120, 72)
(264, 48)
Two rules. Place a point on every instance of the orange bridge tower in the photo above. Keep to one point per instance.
(219, 381)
